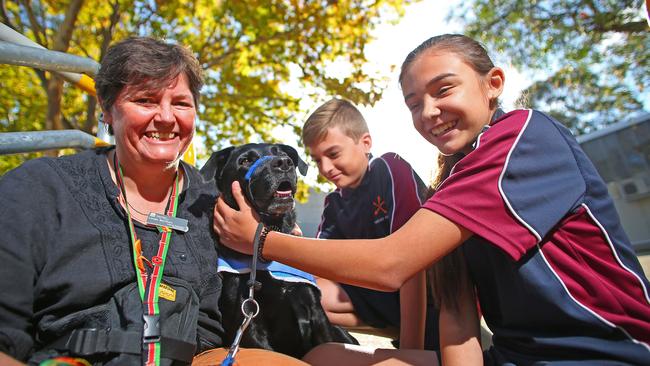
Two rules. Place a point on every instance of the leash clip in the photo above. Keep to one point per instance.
(249, 302)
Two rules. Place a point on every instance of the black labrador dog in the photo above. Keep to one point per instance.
(291, 319)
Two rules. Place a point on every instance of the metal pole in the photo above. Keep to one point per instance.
(84, 82)
(14, 54)
(22, 142)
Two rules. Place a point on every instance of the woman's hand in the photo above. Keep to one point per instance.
(236, 229)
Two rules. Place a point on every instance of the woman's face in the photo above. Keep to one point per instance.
(153, 127)
(449, 101)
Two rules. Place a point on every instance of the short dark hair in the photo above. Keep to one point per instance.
(147, 63)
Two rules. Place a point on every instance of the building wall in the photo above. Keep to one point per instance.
(621, 154)
(635, 216)
(309, 213)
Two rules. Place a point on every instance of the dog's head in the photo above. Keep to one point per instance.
(266, 173)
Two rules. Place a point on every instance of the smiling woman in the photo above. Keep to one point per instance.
(153, 127)
(117, 264)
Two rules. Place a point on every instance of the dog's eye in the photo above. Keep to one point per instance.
(244, 161)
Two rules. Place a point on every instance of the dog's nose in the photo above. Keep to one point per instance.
(283, 163)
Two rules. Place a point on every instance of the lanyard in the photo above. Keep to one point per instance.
(250, 303)
(149, 276)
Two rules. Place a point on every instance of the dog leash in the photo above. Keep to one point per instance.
(250, 302)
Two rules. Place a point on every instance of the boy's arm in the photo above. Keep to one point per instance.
(408, 192)
(413, 305)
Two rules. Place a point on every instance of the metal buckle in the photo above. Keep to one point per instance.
(85, 342)
(151, 331)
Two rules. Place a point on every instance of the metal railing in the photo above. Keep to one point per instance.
(14, 54)
(16, 49)
(23, 142)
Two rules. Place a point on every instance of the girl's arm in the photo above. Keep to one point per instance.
(382, 264)
(460, 342)
(413, 311)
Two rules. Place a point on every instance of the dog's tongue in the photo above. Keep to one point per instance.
(282, 194)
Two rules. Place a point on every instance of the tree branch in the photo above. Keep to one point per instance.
(54, 89)
(35, 26)
(5, 17)
(630, 27)
(64, 35)
(107, 38)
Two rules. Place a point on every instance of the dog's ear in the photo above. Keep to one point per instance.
(214, 165)
(297, 161)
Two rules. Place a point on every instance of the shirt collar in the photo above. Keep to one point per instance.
(496, 116)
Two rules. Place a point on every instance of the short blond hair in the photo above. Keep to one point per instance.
(334, 113)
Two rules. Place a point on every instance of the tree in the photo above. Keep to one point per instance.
(250, 50)
(593, 53)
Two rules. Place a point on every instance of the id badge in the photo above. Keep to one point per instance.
(175, 223)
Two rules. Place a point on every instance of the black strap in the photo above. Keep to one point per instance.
(86, 342)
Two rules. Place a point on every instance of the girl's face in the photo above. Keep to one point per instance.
(449, 101)
(153, 127)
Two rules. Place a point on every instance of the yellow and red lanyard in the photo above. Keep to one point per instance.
(149, 278)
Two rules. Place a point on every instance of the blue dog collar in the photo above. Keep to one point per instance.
(256, 164)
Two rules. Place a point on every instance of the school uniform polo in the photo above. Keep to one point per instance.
(389, 194)
(557, 278)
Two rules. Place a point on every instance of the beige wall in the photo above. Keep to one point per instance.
(635, 214)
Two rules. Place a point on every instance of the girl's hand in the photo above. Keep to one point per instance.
(236, 229)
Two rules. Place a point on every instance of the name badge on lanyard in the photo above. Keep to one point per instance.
(160, 220)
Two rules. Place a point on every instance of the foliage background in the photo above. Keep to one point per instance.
(589, 58)
(586, 59)
(250, 50)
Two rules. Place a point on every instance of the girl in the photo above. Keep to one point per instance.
(555, 275)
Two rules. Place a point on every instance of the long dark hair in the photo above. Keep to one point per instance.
(449, 276)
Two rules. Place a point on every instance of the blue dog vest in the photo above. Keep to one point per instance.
(241, 264)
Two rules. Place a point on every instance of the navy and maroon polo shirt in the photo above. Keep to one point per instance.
(557, 277)
(389, 194)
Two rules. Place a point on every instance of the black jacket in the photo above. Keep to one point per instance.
(66, 263)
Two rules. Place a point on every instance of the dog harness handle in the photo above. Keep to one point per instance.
(250, 302)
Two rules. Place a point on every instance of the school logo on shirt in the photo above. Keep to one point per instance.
(380, 206)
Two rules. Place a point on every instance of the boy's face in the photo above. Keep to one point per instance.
(340, 159)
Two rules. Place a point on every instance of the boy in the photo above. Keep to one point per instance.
(374, 197)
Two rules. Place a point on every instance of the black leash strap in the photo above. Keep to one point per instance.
(249, 307)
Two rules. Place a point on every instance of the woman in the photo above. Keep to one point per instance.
(107, 254)
(555, 275)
